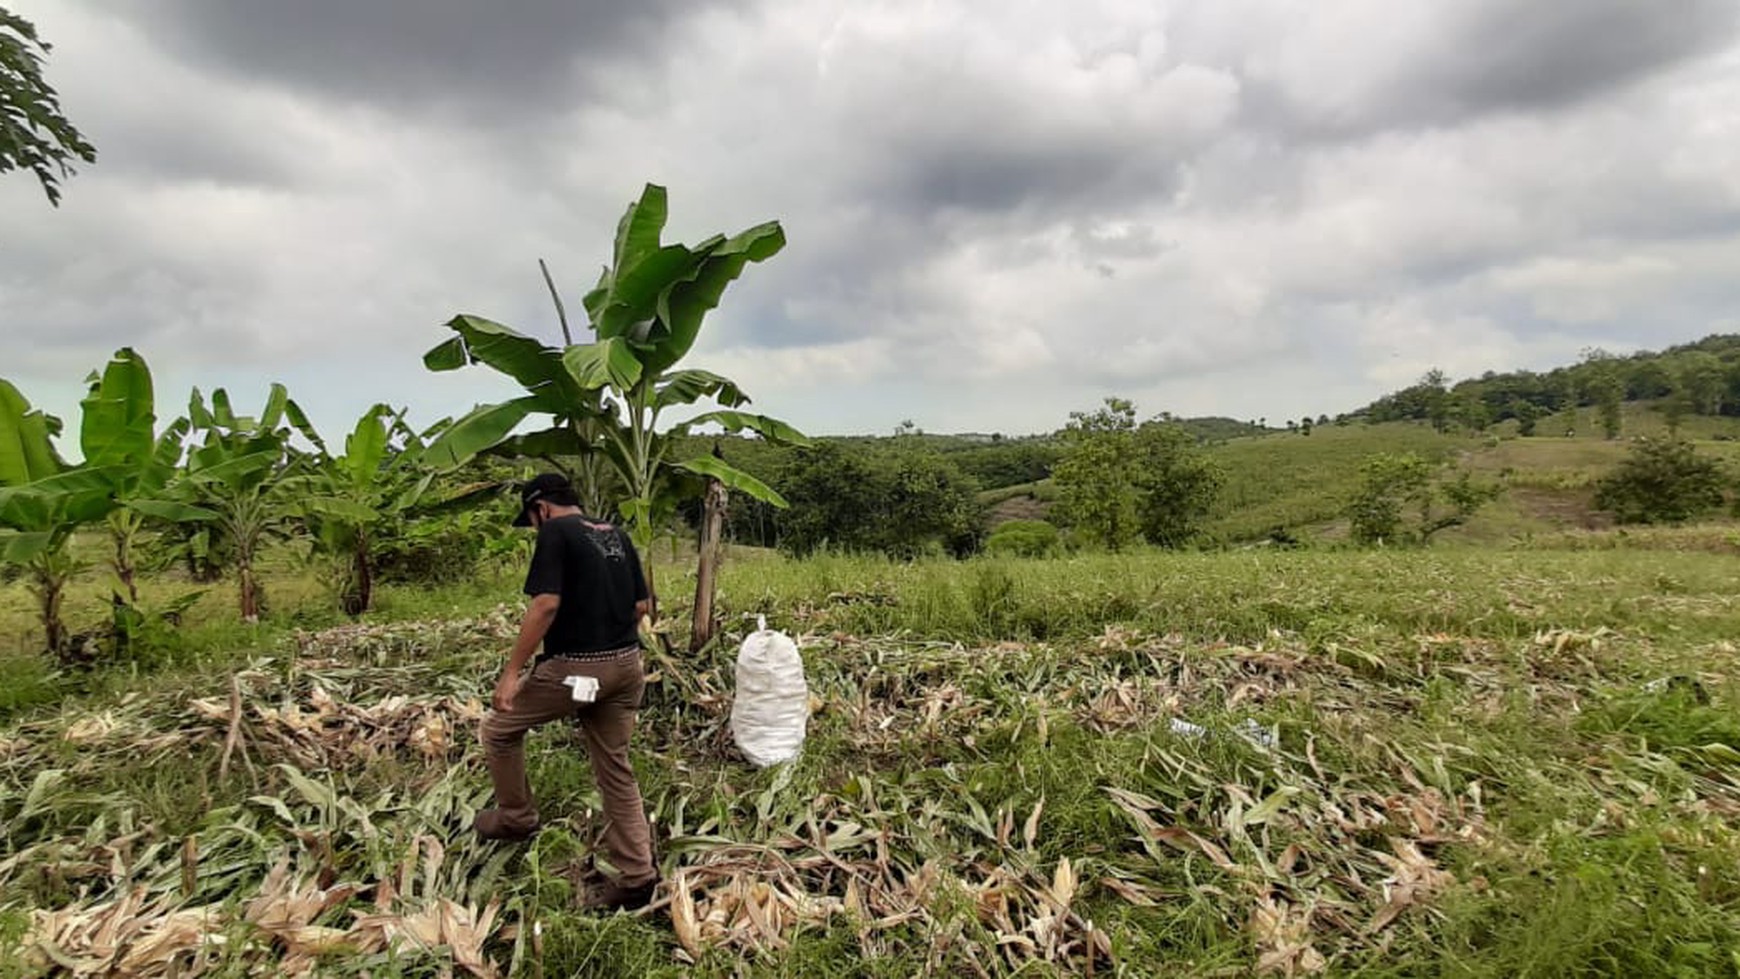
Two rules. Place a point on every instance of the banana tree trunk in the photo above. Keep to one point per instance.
(54, 630)
(50, 588)
(652, 592)
(250, 589)
(125, 570)
(362, 585)
(707, 570)
(590, 478)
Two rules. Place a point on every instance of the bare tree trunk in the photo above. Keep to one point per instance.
(707, 572)
(250, 590)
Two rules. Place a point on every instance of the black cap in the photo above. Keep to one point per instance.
(541, 487)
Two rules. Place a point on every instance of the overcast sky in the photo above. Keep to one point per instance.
(997, 212)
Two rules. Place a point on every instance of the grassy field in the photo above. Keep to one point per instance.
(1459, 762)
(1302, 483)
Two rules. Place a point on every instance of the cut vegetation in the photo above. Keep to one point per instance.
(1485, 763)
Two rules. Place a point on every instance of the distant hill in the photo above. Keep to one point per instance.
(1541, 433)
(1692, 379)
(1217, 429)
(1301, 483)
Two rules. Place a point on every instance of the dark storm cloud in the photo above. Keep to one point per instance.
(1546, 54)
(504, 58)
(1216, 205)
(1430, 65)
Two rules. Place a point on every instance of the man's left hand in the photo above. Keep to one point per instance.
(506, 689)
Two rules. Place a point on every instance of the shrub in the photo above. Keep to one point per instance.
(1664, 480)
(1024, 538)
(1403, 499)
(435, 550)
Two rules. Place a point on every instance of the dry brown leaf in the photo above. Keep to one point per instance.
(95, 727)
(1184, 839)
(465, 931)
(314, 940)
(1030, 832)
(682, 917)
(160, 940)
(1283, 938)
(1063, 885)
(1133, 893)
(1414, 880)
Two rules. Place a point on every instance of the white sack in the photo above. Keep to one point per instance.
(772, 706)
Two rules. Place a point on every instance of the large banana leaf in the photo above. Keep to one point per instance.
(625, 292)
(732, 477)
(466, 496)
(347, 511)
(25, 511)
(536, 367)
(26, 450)
(277, 399)
(608, 362)
(171, 445)
(19, 548)
(413, 495)
(197, 414)
(637, 234)
(216, 464)
(172, 511)
(366, 447)
(299, 421)
(628, 303)
(771, 429)
(480, 429)
(72, 482)
(558, 441)
(686, 387)
(119, 419)
(75, 496)
(225, 416)
(685, 303)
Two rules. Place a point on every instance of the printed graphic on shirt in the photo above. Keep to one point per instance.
(607, 541)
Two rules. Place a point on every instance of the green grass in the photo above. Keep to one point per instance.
(1302, 481)
(1478, 727)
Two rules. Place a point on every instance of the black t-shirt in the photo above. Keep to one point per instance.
(594, 568)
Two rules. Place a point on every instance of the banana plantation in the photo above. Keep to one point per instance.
(241, 736)
(218, 487)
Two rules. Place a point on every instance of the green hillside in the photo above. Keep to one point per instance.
(1302, 482)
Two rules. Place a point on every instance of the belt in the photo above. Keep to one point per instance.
(600, 656)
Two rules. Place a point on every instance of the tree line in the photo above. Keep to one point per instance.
(1701, 378)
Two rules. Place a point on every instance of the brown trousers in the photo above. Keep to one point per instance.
(606, 724)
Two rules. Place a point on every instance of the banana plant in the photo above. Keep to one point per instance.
(43, 501)
(380, 479)
(607, 398)
(118, 434)
(240, 474)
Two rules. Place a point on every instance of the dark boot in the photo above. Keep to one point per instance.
(514, 816)
(618, 896)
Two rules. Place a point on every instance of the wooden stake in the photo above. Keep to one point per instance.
(707, 574)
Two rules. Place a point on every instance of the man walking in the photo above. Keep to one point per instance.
(587, 598)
